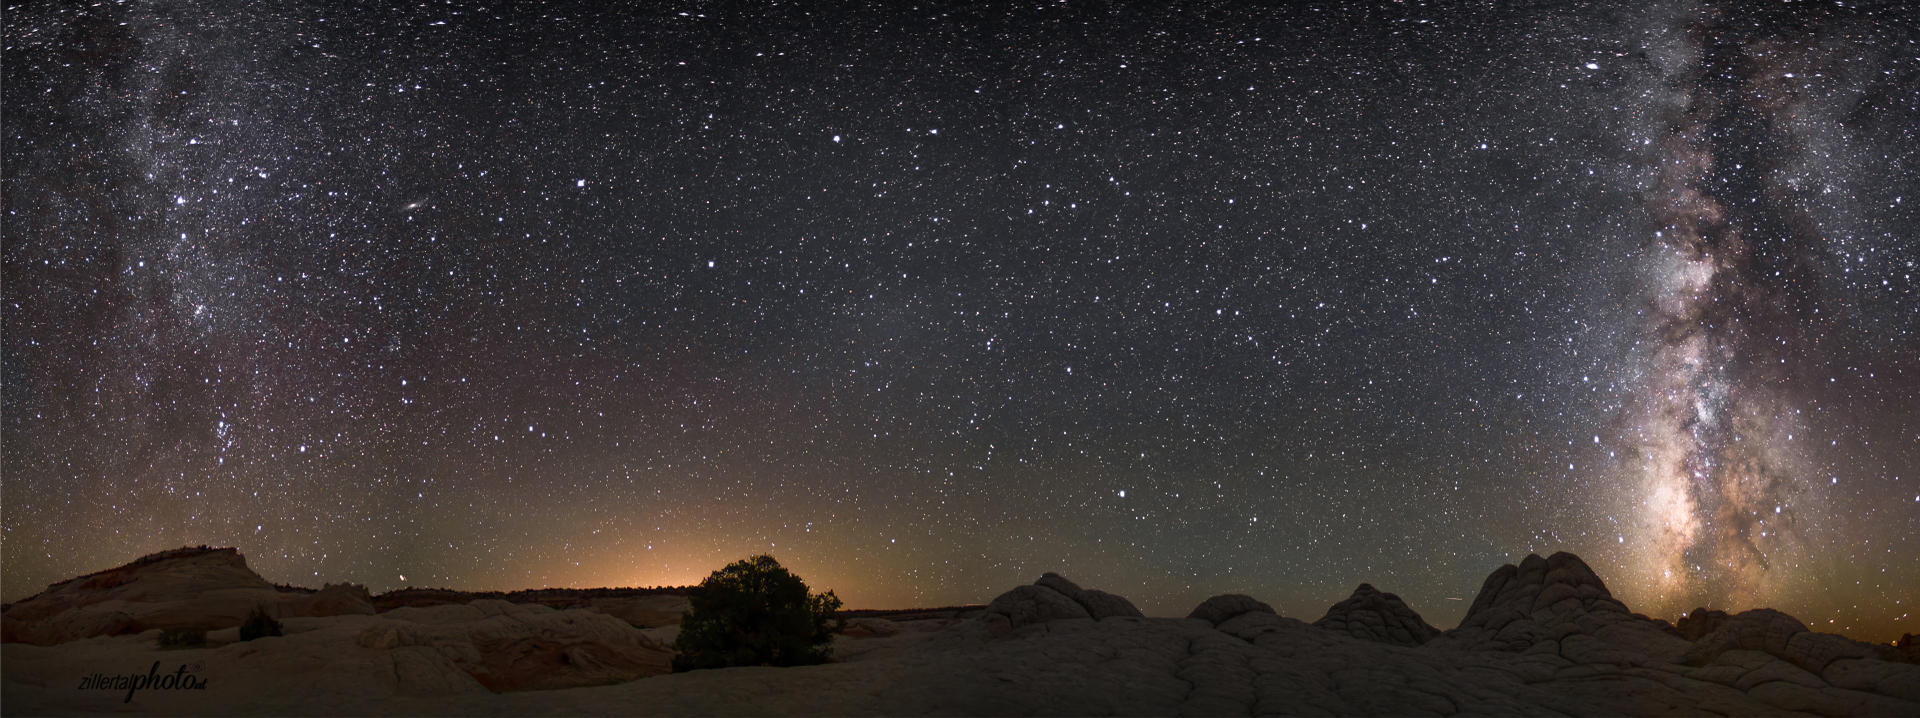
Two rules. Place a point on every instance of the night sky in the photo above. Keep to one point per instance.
(1176, 299)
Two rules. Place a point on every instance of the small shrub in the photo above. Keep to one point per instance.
(755, 613)
(259, 625)
(183, 637)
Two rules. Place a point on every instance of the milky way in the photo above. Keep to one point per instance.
(1732, 352)
(1174, 299)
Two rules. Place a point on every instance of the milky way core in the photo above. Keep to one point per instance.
(1731, 345)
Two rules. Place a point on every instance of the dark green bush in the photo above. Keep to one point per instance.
(183, 637)
(755, 613)
(259, 625)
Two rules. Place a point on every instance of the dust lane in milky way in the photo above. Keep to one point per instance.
(1734, 292)
(1742, 129)
(1176, 301)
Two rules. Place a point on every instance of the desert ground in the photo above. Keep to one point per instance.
(1544, 637)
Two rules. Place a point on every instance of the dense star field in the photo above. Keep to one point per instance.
(1174, 299)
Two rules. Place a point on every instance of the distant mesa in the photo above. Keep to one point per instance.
(1370, 615)
(641, 607)
(212, 588)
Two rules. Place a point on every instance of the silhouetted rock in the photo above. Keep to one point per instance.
(1026, 605)
(1370, 615)
(1059, 583)
(1785, 637)
(1698, 623)
(1227, 605)
(1100, 604)
(1054, 597)
(1548, 602)
(340, 599)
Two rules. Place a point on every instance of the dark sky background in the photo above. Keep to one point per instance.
(1176, 299)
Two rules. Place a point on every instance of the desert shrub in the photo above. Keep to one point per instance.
(183, 637)
(259, 625)
(755, 613)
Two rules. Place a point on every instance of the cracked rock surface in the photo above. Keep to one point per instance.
(1370, 615)
(1542, 638)
(187, 587)
(1053, 597)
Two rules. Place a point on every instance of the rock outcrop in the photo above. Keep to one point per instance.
(1052, 598)
(195, 587)
(1218, 609)
(1785, 638)
(1697, 623)
(508, 647)
(1370, 615)
(1555, 604)
(641, 607)
(1558, 611)
(212, 588)
(1529, 647)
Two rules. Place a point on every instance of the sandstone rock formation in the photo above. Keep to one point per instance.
(1698, 623)
(195, 587)
(868, 627)
(1370, 615)
(1227, 605)
(518, 647)
(1542, 638)
(641, 607)
(1054, 597)
(496, 645)
(1785, 638)
(1554, 603)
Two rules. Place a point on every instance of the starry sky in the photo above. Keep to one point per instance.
(1176, 299)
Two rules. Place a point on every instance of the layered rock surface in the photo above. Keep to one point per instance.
(507, 647)
(1542, 638)
(195, 587)
(1227, 606)
(212, 588)
(1052, 598)
(641, 607)
(1370, 615)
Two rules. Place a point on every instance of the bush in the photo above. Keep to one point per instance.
(183, 637)
(755, 613)
(259, 625)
